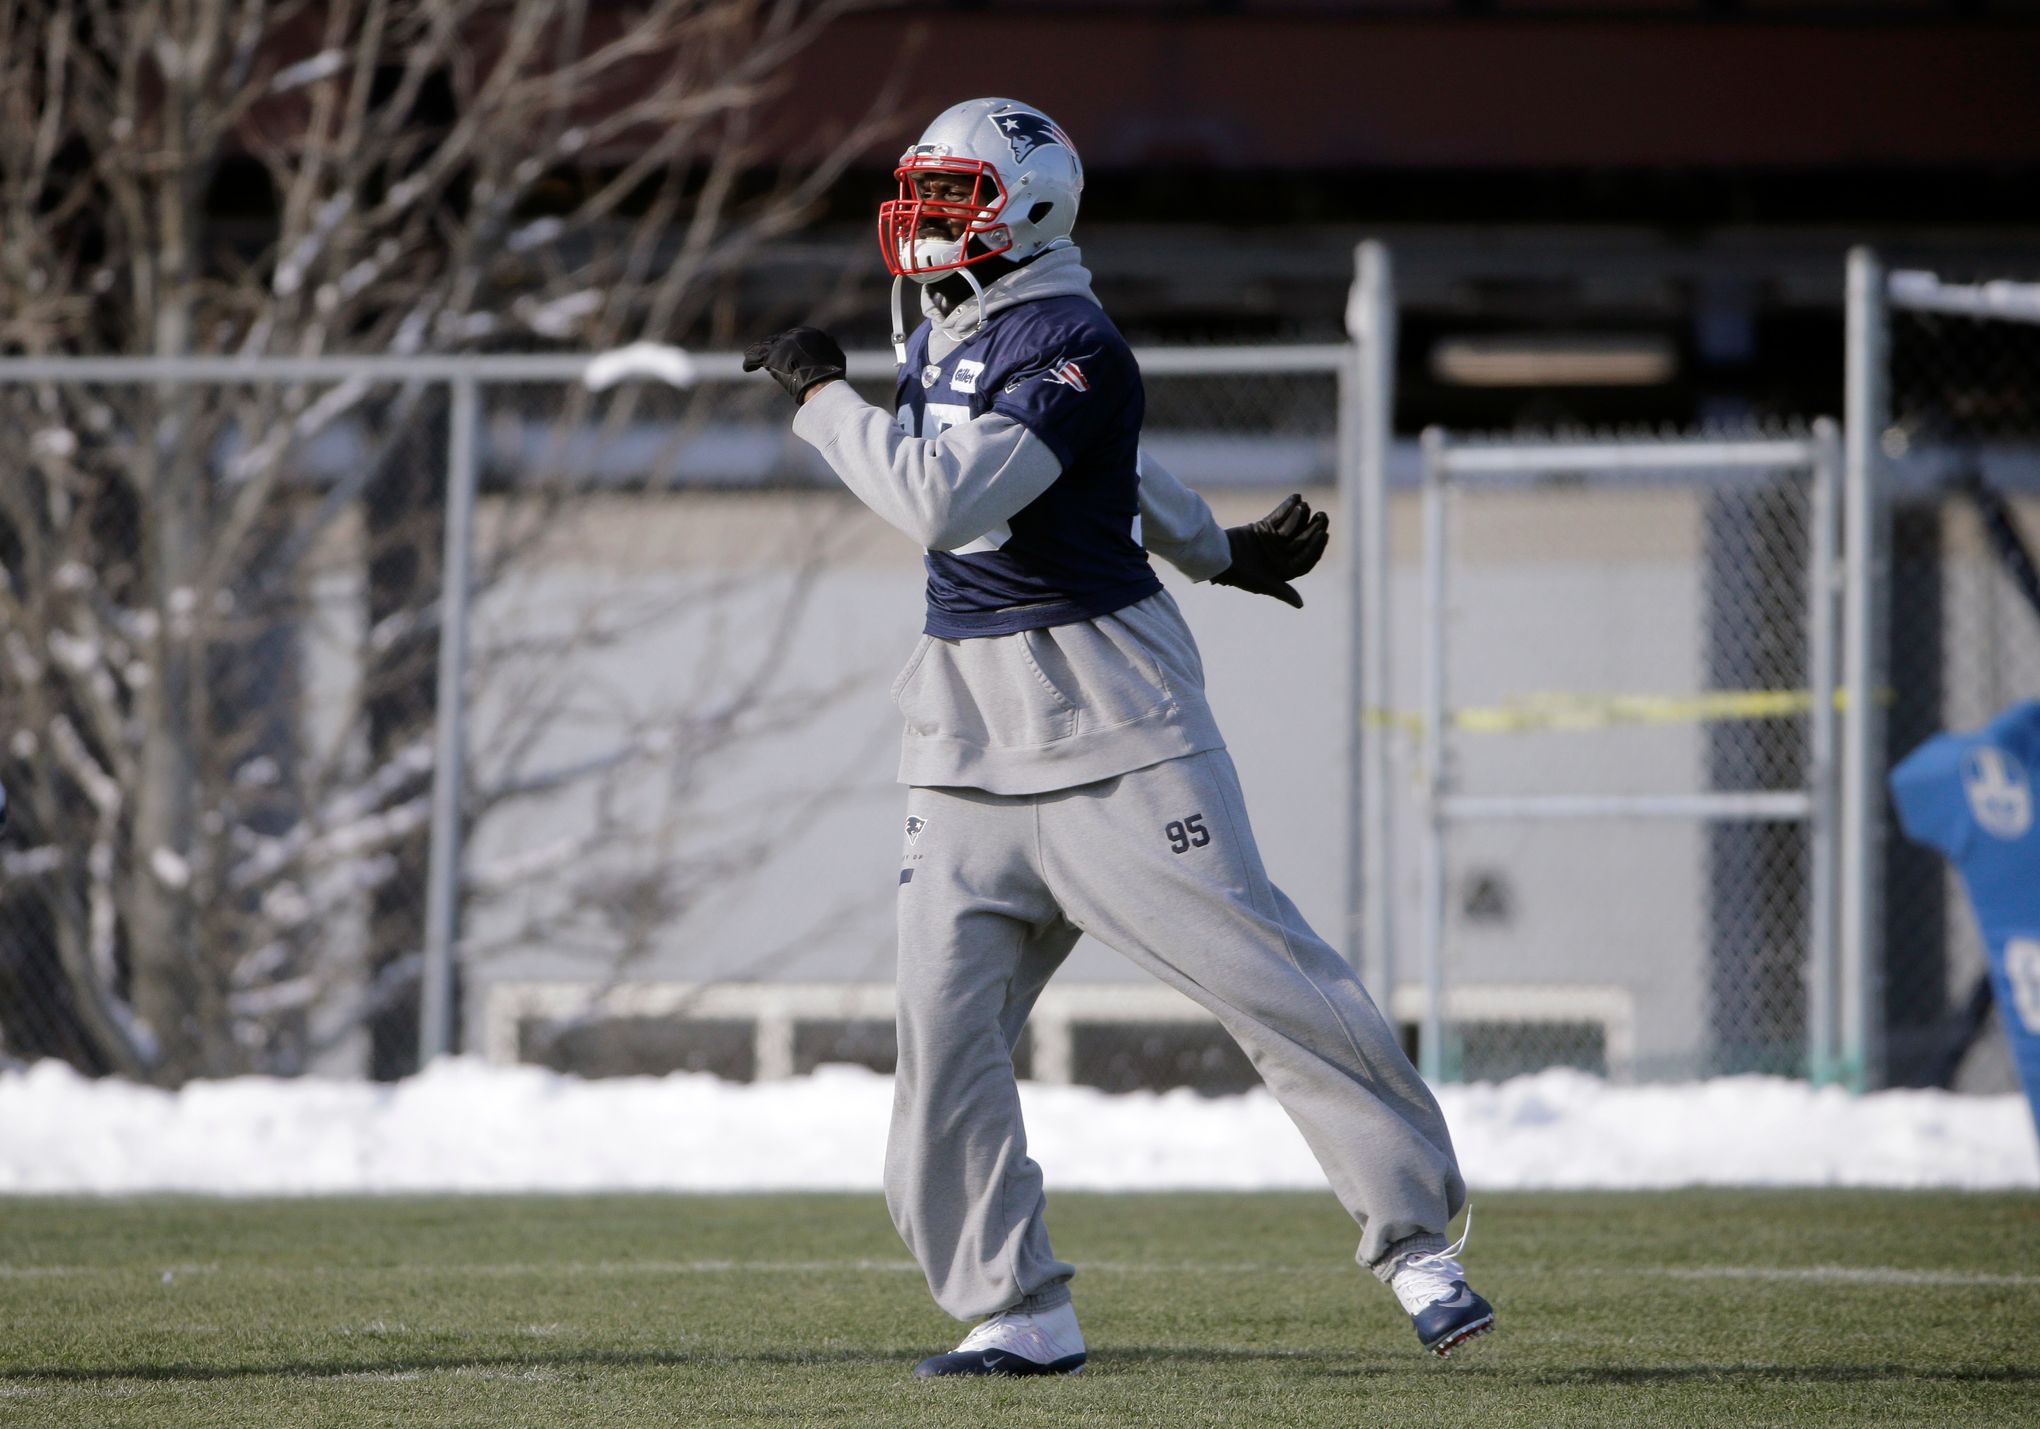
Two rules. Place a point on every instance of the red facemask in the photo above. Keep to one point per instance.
(900, 220)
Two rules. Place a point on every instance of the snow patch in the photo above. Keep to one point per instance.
(406, 192)
(466, 1126)
(538, 231)
(31, 863)
(358, 277)
(562, 316)
(74, 652)
(285, 905)
(290, 272)
(655, 360)
(100, 787)
(27, 666)
(323, 65)
(172, 870)
(467, 327)
(261, 772)
(56, 442)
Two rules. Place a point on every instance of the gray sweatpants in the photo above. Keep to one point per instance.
(1159, 863)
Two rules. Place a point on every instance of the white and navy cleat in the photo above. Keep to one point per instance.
(1013, 1343)
(1442, 1307)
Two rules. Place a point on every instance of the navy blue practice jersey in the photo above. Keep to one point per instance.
(1060, 368)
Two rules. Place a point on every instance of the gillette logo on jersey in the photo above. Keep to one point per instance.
(1059, 368)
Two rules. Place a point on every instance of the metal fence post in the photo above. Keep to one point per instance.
(1359, 834)
(1866, 536)
(1431, 1041)
(1821, 831)
(1368, 391)
(442, 896)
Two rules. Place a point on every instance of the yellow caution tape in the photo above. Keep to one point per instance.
(1571, 710)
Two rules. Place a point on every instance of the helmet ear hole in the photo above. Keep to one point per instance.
(1040, 211)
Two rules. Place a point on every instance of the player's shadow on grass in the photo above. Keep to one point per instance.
(417, 1364)
(1119, 1357)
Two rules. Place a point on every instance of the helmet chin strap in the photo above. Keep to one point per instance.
(979, 289)
(899, 319)
(899, 322)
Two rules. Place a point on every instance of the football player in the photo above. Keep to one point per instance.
(1065, 773)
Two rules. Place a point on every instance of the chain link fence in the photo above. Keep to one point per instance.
(224, 722)
(1621, 835)
(1963, 448)
(226, 702)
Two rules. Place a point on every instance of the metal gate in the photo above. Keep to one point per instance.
(1619, 735)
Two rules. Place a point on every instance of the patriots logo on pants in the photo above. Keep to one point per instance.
(915, 823)
(1028, 132)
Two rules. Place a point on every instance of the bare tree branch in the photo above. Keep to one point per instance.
(227, 854)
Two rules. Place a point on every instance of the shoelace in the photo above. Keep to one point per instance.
(1422, 1279)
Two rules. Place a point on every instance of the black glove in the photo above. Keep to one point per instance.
(1275, 550)
(796, 359)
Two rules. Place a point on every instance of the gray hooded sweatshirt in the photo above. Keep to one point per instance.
(1045, 709)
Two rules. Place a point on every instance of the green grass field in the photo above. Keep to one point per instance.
(1744, 1308)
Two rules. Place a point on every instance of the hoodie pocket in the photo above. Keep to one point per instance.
(1103, 682)
(1033, 689)
(988, 694)
(907, 671)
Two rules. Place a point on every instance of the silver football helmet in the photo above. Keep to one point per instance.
(988, 177)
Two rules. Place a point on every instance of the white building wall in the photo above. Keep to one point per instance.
(1611, 604)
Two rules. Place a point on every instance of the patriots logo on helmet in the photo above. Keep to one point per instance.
(1027, 132)
(915, 823)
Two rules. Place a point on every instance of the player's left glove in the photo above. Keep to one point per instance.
(1275, 550)
(797, 359)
